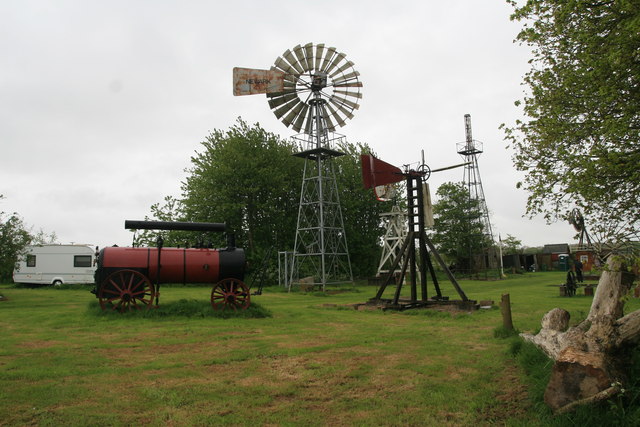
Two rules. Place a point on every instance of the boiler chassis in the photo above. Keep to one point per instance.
(129, 278)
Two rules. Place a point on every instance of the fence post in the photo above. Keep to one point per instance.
(505, 309)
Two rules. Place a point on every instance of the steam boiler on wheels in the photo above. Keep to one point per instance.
(129, 278)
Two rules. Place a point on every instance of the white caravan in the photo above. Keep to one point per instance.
(56, 264)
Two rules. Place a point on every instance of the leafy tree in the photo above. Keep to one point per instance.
(14, 237)
(579, 146)
(247, 178)
(171, 210)
(512, 245)
(458, 232)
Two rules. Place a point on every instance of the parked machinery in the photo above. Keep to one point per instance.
(129, 278)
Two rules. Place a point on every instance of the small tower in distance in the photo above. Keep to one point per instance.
(470, 150)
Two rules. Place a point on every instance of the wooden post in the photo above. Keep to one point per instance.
(505, 309)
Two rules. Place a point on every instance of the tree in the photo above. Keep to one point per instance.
(511, 245)
(14, 238)
(247, 178)
(579, 146)
(171, 210)
(458, 232)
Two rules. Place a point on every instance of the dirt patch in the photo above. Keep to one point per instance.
(511, 401)
(41, 344)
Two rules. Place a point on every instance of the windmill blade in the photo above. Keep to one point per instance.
(347, 77)
(342, 68)
(330, 126)
(297, 125)
(308, 124)
(299, 52)
(280, 100)
(289, 118)
(319, 52)
(341, 108)
(330, 53)
(450, 167)
(284, 109)
(344, 101)
(284, 66)
(352, 84)
(288, 55)
(308, 53)
(334, 62)
(281, 93)
(339, 120)
(346, 93)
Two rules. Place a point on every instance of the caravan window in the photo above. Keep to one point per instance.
(31, 260)
(82, 261)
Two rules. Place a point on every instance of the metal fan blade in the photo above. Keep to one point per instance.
(283, 65)
(289, 118)
(279, 94)
(334, 62)
(335, 115)
(347, 77)
(342, 68)
(299, 52)
(308, 52)
(341, 108)
(450, 167)
(288, 55)
(343, 101)
(346, 93)
(330, 126)
(281, 111)
(330, 53)
(276, 102)
(319, 51)
(353, 84)
(308, 125)
(297, 125)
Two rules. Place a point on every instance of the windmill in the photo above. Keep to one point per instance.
(417, 249)
(577, 220)
(312, 89)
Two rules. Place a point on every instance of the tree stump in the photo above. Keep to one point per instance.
(590, 357)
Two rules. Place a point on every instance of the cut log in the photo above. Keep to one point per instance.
(589, 357)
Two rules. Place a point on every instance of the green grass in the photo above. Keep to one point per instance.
(292, 359)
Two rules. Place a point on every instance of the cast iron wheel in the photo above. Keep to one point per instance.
(230, 293)
(126, 290)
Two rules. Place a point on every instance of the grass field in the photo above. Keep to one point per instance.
(296, 360)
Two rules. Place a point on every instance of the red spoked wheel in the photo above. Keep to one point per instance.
(126, 290)
(230, 294)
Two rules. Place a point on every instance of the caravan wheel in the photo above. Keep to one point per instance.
(57, 283)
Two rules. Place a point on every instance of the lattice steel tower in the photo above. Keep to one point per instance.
(470, 150)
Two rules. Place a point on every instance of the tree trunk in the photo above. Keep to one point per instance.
(589, 357)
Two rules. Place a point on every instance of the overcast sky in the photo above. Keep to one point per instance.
(102, 103)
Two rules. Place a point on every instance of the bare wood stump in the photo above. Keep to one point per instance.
(590, 357)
